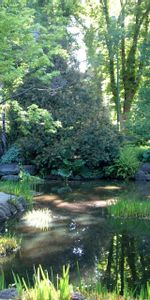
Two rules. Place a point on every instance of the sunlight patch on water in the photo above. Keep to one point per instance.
(109, 187)
(40, 218)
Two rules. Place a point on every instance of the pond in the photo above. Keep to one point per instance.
(113, 251)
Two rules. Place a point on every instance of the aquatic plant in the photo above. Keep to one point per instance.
(130, 208)
(8, 245)
(43, 288)
(38, 218)
(2, 280)
(18, 189)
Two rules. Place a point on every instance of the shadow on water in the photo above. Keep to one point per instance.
(113, 251)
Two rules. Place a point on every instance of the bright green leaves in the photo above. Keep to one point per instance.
(27, 44)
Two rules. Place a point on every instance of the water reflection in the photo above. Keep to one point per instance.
(127, 261)
(113, 251)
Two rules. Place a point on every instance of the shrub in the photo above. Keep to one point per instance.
(12, 155)
(127, 163)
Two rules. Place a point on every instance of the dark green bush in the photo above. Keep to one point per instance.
(13, 155)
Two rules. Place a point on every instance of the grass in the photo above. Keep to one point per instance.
(44, 289)
(21, 188)
(8, 245)
(39, 218)
(130, 209)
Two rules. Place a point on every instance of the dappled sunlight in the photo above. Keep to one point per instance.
(75, 206)
(108, 187)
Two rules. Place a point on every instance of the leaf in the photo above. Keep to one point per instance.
(64, 172)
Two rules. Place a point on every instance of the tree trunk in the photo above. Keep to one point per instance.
(3, 134)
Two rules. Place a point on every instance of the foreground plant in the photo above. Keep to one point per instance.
(43, 288)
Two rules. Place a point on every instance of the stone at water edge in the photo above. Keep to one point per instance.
(9, 294)
(9, 169)
(140, 176)
(145, 167)
(77, 296)
(10, 178)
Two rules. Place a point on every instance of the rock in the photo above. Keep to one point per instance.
(63, 190)
(145, 167)
(9, 294)
(140, 176)
(9, 169)
(10, 205)
(77, 296)
(147, 177)
(3, 216)
(29, 169)
(10, 178)
(20, 204)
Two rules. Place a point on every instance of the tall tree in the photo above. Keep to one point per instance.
(124, 35)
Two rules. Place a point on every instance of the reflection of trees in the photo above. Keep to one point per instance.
(127, 262)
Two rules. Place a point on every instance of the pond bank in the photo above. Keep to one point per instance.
(11, 205)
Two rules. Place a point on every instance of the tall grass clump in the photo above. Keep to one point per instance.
(43, 288)
(130, 209)
(2, 280)
(21, 188)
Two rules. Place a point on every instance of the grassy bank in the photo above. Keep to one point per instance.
(21, 188)
(130, 209)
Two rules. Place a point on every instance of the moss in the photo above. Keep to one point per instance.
(8, 245)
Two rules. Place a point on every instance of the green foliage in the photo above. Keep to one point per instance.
(43, 288)
(69, 168)
(130, 208)
(8, 245)
(2, 280)
(12, 155)
(112, 31)
(18, 189)
(138, 123)
(127, 163)
(28, 45)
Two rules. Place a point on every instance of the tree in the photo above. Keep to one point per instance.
(27, 47)
(126, 35)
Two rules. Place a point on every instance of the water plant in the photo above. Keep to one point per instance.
(130, 209)
(43, 288)
(18, 189)
(2, 280)
(38, 218)
(8, 245)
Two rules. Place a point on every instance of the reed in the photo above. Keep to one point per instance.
(44, 289)
(130, 209)
(18, 189)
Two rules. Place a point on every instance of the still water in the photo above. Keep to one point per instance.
(112, 251)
